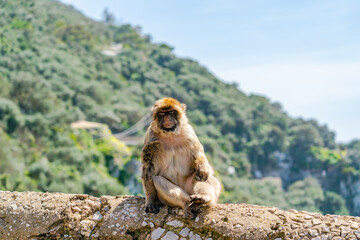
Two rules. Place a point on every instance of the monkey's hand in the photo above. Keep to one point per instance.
(202, 173)
(153, 207)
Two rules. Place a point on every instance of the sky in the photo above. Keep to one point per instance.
(303, 54)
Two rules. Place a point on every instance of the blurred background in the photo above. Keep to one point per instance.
(271, 90)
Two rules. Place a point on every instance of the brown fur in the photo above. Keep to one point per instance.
(176, 171)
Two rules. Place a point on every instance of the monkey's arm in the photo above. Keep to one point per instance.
(149, 152)
(202, 167)
(153, 203)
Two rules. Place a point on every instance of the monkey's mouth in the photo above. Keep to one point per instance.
(169, 129)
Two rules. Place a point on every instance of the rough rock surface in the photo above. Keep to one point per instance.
(30, 215)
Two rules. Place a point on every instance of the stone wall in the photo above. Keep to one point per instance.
(30, 215)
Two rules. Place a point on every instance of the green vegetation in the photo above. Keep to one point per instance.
(53, 72)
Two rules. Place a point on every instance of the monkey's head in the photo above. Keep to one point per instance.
(168, 115)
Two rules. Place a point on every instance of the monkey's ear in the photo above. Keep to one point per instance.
(153, 109)
(183, 106)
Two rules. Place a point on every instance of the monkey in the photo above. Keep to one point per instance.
(175, 170)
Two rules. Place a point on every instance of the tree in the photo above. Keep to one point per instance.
(305, 195)
(10, 115)
(305, 136)
(334, 204)
(108, 17)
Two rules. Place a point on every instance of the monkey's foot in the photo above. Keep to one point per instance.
(199, 199)
(193, 207)
(153, 207)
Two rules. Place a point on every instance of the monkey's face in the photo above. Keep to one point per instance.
(167, 119)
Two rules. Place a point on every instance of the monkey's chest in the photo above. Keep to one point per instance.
(178, 166)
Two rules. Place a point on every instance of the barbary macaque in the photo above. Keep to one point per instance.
(175, 170)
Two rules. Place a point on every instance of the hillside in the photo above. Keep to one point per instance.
(53, 72)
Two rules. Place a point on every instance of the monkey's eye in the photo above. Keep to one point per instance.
(161, 113)
(172, 112)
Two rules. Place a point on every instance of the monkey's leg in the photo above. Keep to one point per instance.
(205, 194)
(171, 193)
